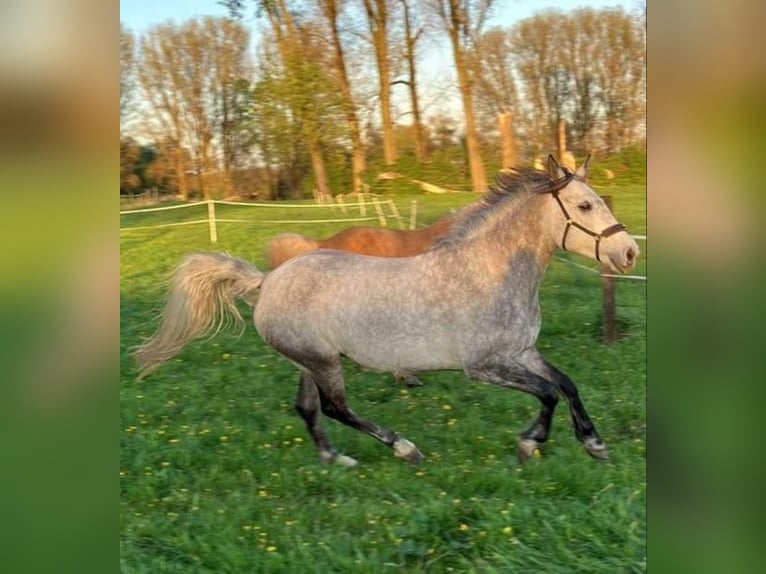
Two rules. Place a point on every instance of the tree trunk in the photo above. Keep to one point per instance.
(377, 17)
(507, 139)
(473, 149)
(322, 182)
(180, 168)
(420, 140)
(289, 45)
(358, 159)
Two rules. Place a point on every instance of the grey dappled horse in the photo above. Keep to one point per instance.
(469, 303)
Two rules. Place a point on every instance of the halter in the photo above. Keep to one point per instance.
(560, 184)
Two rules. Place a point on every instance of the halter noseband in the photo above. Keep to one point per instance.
(560, 184)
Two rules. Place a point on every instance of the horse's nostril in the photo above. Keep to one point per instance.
(630, 255)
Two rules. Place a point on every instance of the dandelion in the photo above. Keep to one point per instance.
(446, 407)
(271, 549)
(263, 494)
(508, 530)
(226, 356)
(463, 527)
(173, 441)
(297, 439)
(165, 464)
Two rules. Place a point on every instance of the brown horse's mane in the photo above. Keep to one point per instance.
(510, 186)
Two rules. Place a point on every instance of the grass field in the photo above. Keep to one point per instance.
(219, 475)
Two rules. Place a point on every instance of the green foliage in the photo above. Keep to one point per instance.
(217, 473)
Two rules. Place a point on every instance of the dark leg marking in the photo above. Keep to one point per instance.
(328, 380)
(522, 379)
(307, 404)
(584, 429)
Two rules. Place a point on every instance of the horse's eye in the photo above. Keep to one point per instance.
(585, 206)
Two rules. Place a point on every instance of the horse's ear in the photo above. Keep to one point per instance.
(582, 171)
(554, 169)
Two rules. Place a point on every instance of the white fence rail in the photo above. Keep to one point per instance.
(378, 207)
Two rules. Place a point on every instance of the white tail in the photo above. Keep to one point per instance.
(201, 302)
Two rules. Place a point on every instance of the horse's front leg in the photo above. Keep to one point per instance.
(585, 430)
(516, 376)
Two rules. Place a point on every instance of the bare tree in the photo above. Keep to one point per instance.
(127, 71)
(620, 73)
(329, 9)
(462, 20)
(586, 68)
(228, 42)
(377, 20)
(496, 97)
(411, 37)
(160, 75)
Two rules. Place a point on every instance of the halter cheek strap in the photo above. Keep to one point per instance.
(611, 230)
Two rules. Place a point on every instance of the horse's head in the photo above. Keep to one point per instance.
(581, 222)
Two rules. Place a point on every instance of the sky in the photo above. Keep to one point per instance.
(437, 77)
(138, 15)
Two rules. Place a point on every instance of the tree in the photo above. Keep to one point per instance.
(411, 37)
(127, 72)
(585, 67)
(463, 20)
(377, 21)
(496, 96)
(329, 9)
(160, 74)
(129, 156)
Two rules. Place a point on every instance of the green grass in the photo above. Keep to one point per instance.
(218, 474)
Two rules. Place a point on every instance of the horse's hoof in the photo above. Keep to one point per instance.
(343, 460)
(526, 449)
(408, 380)
(413, 382)
(404, 449)
(596, 448)
(337, 458)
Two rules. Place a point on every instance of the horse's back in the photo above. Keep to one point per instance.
(380, 312)
(374, 241)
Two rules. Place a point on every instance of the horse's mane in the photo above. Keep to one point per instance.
(510, 186)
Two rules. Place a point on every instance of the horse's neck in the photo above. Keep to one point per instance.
(514, 241)
(438, 229)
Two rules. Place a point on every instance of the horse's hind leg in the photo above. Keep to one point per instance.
(517, 377)
(332, 396)
(307, 404)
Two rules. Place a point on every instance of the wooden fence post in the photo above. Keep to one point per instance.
(379, 210)
(414, 214)
(211, 221)
(607, 285)
(395, 213)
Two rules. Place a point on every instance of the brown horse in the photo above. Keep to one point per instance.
(377, 241)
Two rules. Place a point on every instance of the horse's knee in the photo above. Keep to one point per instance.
(550, 396)
(307, 413)
(329, 410)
